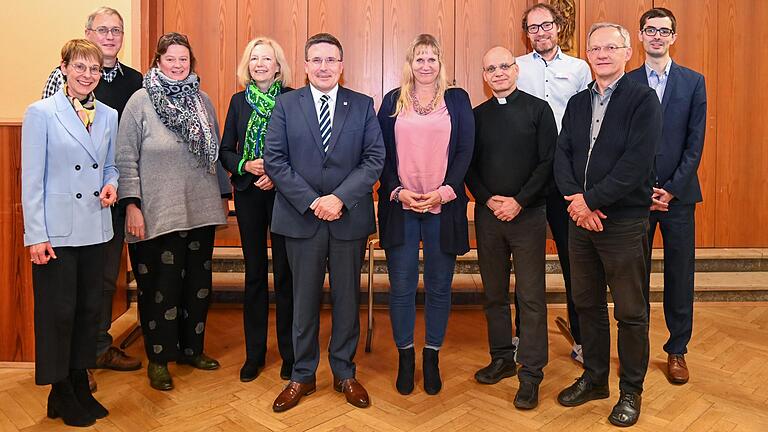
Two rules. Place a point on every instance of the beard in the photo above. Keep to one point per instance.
(544, 46)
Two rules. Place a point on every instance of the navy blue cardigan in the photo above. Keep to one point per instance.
(454, 231)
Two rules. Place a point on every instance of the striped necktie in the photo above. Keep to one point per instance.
(325, 121)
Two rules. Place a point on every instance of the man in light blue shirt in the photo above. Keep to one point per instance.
(553, 76)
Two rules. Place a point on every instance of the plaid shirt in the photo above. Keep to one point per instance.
(56, 79)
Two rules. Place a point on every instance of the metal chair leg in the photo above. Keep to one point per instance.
(369, 333)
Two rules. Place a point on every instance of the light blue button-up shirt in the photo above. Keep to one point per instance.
(656, 82)
(554, 81)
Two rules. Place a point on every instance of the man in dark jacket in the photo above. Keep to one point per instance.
(604, 167)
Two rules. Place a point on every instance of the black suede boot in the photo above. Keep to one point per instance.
(405, 370)
(432, 382)
(63, 403)
(79, 380)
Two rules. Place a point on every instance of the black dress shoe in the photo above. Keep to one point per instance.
(496, 371)
(582, 391)
(527, 396)
(250, 370)
(627, 410)
(286, 370)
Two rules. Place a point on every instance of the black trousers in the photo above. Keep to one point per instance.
(68, 298)
(525, 239)
(678, 232)
(254, 213)
(113, 251)
(616, 256)
(309, 259)
(173, 274)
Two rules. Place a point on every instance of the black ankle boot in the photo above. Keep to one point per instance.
(405, 370)
(79, 380)
(432, 383)
(63, 403)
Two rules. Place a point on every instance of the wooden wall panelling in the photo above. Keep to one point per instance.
(403, 21)
(17, 341)
(284, 21)
(480, 26)
(696, 48)
(626, 13)
(741, 216)
(358, 26)
(151, 30)
(210, 26)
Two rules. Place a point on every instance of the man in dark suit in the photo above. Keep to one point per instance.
(604, 168)
(683, 98)
(324, 152)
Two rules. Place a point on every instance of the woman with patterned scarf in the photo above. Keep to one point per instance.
(265, 74)
(167, 153)
(68, 182)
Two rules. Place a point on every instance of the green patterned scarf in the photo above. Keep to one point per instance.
(256, 131)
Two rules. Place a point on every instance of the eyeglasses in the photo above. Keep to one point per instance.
(102, 31)
(663, 32)
(610, 49)
(318, 61)
(504, 66)
(546, 26)
(81, 68)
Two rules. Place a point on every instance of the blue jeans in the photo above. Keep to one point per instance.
(403, 268)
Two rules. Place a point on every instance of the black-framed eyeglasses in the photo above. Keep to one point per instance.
(102, 31)
(318, 61)
(610, 49)
(504, 66)
(663, 32)
(546, 26)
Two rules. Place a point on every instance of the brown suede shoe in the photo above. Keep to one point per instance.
(91, 381)
(677, 370)
(117, 360)
(353, 391)
(291, 394)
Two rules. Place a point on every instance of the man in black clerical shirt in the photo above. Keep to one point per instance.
(509, 177)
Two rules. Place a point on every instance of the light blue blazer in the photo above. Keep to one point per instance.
(63, 169)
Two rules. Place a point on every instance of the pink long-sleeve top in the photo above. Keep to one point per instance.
(422, 152)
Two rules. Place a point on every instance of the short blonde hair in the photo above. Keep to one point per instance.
(81, 48)
(283, 72)
(622, 31)
(420, 43)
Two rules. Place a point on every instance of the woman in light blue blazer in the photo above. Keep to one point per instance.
(68, 182)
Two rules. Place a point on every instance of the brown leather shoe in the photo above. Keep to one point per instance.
(353, 391)
(116, 359)
(291, 394)
(677, 370)
(91, 381)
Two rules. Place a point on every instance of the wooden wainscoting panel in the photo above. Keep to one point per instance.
(626, 13)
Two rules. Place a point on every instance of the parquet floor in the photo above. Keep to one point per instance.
(728, 390)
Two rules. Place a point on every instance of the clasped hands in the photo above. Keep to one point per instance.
(420, 203)
(327, 207)
(504, 208)
(582, 215)
(660, 200)
(256, 167)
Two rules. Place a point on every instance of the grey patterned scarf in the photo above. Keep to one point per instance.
(181, 108)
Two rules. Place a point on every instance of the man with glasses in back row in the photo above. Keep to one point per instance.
(683, 98)
(117, 84)
(604, 168)
(553, 76)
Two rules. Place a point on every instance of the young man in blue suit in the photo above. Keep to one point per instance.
(683, 98)
(324, 151)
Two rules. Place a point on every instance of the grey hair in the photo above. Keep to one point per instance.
(624, 33)
(104, 10)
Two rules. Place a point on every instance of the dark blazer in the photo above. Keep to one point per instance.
(295, 161)
(617, 176)
(684, 107)
(454, 231)
(231, 149)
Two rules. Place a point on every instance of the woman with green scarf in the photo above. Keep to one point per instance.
(265, 74)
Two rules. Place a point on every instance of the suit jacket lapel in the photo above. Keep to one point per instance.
(671, 82)
(310, 115)
(339, 117)
(72, 123)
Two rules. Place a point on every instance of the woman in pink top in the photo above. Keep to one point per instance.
(429, 134)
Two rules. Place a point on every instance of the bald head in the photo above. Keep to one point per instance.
(500, 71)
